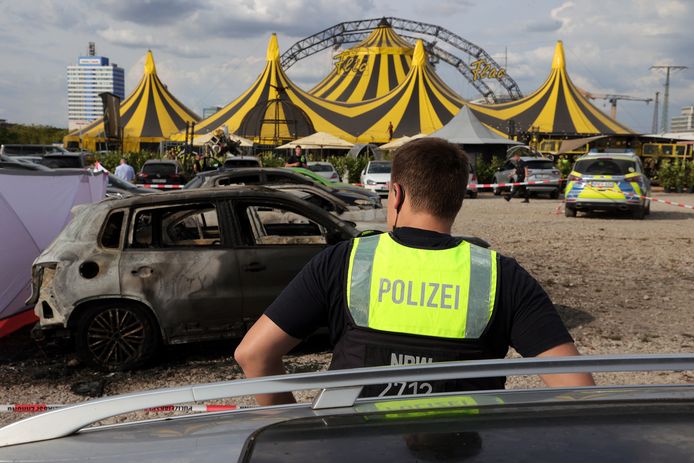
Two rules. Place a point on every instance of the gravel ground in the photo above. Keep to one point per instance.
(621, 286)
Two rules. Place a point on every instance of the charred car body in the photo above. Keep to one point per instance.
(126, 275)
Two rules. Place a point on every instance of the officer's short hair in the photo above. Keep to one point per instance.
(434, 174)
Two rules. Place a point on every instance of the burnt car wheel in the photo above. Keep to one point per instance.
(116, 336)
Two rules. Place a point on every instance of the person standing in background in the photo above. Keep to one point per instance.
(125, 171)
(521, 175)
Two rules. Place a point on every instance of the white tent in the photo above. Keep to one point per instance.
(398, 142)
(319, 140)
(466, 129)
(34, 208)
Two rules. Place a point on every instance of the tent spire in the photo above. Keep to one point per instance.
(149, 63)
(558, 61)
(419, 56)
(273, 48)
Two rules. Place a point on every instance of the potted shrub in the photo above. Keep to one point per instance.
(666, 176)
(680, 177)
(690, 176)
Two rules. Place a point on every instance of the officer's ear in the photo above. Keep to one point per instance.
(399, 196)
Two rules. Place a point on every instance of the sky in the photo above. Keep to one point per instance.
(208, 52)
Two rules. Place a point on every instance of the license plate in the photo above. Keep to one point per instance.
(602, 185)
(158, 180)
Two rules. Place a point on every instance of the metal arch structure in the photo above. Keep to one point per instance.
(355, 31)
(437, 54)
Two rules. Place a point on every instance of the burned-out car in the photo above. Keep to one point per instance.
(127, 275)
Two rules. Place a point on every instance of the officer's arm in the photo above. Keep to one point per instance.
(260, 354)
(568, 379)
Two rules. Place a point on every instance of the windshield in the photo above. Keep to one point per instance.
(195, 183)
(605, 166)
(161, 169)
(241, 163)
(379, 168)
(62, 162)
(544, 164)
(320, 167)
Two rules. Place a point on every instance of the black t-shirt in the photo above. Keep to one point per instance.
(520, 170)
(293, 158)
(524, 317)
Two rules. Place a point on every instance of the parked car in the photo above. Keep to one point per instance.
(31, 150)
(233, 162)
(161, 173)
(339, 185)
(119, 188)
(363, 219)
(273, 176)
(68, 160)
(325, 170)
(539, 168)
(608, 182)
(127, 275)
(376, 176)
(18, 163)
(594, 424)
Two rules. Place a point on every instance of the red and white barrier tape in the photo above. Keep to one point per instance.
(161, 186)
(504, 185)
(664, 201)
(38, 408)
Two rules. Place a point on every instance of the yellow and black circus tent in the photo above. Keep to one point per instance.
(265, 112)
(274, 110)
(150, 114)
(422, 103)
(557, 107)
(368, 70)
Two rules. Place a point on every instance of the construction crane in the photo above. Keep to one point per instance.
(613, 99)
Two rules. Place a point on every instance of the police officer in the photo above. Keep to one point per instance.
(297, 159)
(414, 295)
(521, 176)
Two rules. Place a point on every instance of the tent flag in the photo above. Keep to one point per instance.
(35, 207)
(557, 107)
(150, 114)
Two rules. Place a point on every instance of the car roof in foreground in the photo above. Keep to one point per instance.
(582, 423)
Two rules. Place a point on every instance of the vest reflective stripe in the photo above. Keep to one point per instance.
(446, 293)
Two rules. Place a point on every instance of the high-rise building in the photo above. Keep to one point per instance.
(684, 122)
(90, 76)
(210, 110)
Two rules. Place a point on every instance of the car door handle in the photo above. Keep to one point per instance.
(254, 267)
(143, 272)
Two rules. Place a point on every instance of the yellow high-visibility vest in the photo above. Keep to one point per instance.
(447, 293)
